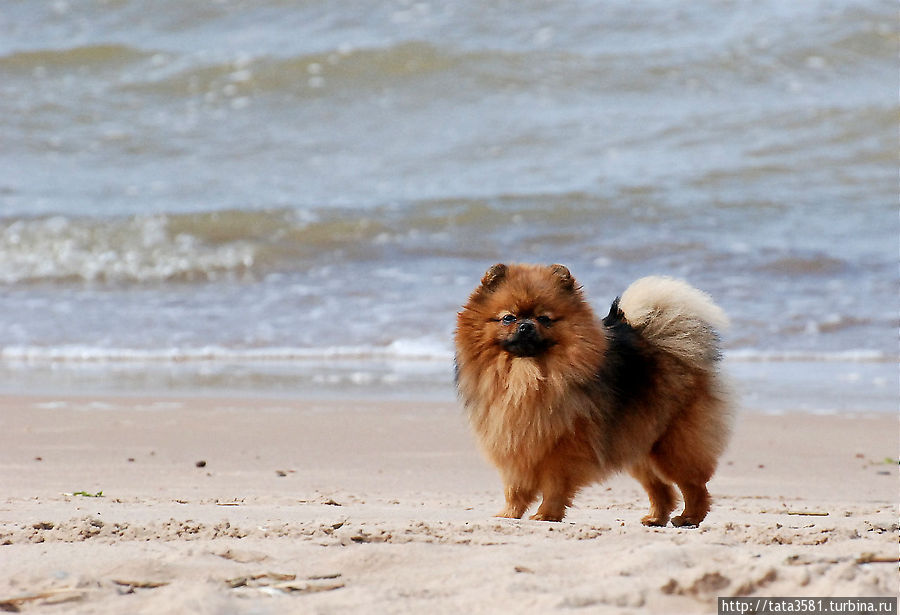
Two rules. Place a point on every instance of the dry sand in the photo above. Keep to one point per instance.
(337, 507)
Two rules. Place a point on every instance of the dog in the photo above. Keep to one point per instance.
(559, 399)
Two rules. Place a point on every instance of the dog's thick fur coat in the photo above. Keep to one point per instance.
(560, 399)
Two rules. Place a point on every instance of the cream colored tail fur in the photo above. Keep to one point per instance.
(676, 317)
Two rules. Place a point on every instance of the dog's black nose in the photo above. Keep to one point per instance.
(526, 326)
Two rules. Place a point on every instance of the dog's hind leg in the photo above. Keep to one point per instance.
(697, 502)
(662, 495)
(679, 457)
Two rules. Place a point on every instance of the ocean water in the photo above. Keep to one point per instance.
(295, 197)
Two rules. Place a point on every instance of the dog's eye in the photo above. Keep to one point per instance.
(545, 321)
(508, 319)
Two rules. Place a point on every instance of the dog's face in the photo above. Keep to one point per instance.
(524, 317)
(523, 311)
(524, 334)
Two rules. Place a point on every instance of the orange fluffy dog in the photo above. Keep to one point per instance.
(559, 399)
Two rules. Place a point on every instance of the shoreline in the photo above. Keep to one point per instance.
(828, 387)
(385, 506)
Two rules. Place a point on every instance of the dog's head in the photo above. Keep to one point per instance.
(523, 310)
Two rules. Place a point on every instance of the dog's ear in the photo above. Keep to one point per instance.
(493, 277)
(563, 276)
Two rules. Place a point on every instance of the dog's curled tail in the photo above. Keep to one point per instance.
(676, 317)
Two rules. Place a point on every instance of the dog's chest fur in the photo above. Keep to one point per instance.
(520, 409)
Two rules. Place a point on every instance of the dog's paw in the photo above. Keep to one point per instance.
(508, 514)
(654, 521)
(685, 521)
(539, 516)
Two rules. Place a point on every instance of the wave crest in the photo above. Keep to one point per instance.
(137, 249)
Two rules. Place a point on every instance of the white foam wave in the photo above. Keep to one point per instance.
(399, 350)
(139, 249)
(860, 355)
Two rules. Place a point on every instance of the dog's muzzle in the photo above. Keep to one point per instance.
(526, 341)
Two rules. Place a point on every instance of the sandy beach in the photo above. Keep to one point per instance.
(262, 505)
(235, 238)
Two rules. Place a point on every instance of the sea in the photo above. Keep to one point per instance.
(294, 197)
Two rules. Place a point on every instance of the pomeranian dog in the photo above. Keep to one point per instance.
(560, 399)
